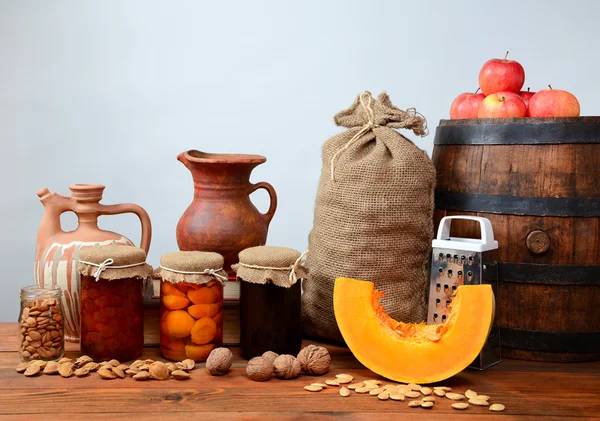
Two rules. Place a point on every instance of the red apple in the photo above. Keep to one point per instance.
(466, 105)
(553, 103)
(502, 105)
(526, 96)
(501, 75)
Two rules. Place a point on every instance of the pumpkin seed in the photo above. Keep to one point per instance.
(65, 369)
(426, 391)
(332, 382)
(396, 396)
(51, 368)
(455, 396)
(426, 404)
(439, 392)
(404, 389)
(390, 387)
(344, 378)
(470, 394)
(497, 407)
(384, 395)
(180, 375)
(377, 382)
(483, 397)
(313, 388)
(356, 385)
(428, 399)
(444, 388)
(478, 402)
(414, 387)
(371, 386)
(460, 405)
(142, 375)
(412, 394)
(414, 404)
(375, 392)
(344, 391)
(323, 385)
(362, 390)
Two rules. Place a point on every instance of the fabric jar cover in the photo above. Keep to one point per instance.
(281, 266)
(195, 267)
(114, 262)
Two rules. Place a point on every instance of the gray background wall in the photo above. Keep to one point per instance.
(110, 92)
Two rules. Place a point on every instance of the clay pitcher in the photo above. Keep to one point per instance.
(58, 251)
(222, 218)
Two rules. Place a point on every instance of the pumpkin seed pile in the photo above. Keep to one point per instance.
(416, 395)
(108, 370)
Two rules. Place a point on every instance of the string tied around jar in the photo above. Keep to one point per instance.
(215, 273)
(293, 268)
(108, 263)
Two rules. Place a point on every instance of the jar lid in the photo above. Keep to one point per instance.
(280, 265)
(114, 262)
(196, 267)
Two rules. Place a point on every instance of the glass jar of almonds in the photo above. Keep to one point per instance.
(41, 326)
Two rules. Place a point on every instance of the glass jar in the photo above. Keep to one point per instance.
(191, 304)
(270, 301)
(41, 324)
(112, 302)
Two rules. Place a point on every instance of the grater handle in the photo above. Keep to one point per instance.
(487, 233)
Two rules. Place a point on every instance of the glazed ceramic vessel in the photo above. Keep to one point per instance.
(221, 217)
(58, 251)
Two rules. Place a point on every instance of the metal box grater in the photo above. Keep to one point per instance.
(462, 261)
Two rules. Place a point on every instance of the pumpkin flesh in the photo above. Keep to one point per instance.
(408, 352)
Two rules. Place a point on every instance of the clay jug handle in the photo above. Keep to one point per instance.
(141, 214)
(269, 188)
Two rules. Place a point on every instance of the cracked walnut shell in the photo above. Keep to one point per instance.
(286, 367)
(219, 361)
(314, 360)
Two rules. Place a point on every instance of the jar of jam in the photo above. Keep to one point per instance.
(41, 324)
(270, 300)
(191, 304)
(112, 301)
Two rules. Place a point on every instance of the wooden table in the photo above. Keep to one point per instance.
(530, 391)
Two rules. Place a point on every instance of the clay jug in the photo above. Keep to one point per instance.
(58, 251)
(222, 218)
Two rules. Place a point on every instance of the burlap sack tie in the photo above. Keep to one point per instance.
(215, 273)
(414, 121)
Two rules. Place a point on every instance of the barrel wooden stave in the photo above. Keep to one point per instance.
(544, 171)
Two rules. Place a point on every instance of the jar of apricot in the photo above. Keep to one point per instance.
(191, 304)
(112, 301)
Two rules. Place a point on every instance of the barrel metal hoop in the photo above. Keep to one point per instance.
(518, 134)
(537, 340)
(518, 205)
(549, 274)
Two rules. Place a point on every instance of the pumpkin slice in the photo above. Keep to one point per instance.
(412, 352)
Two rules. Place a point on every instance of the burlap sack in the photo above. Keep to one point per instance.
(114, 262)
(196, 267)
(281, 266)
(373, 217)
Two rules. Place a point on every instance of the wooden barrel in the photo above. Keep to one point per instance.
(538, 181)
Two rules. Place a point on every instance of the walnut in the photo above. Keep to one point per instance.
(286, 367)
(270, 355)
(314, 360)
(259, 369)
(219, 361)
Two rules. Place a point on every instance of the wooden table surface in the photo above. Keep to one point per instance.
(530, 391)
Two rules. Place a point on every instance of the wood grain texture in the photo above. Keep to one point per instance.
(567, 169)
(530, 391)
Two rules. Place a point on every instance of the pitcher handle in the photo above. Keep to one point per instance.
(271, 190)
(139, 212)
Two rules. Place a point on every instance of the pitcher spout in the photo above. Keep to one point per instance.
(54, 205)
(184, 160)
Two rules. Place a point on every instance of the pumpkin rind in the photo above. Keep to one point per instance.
(374, 338)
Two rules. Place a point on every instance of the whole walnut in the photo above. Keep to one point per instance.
(259, 369)
(219, 361)
(270, 355)
(314, 360)
(286, 367)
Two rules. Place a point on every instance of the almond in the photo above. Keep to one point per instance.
(51, 368)
(142, 375)
(65, 369)
(106, 374)
(32, 370)
(159, 371)
(180, 375)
